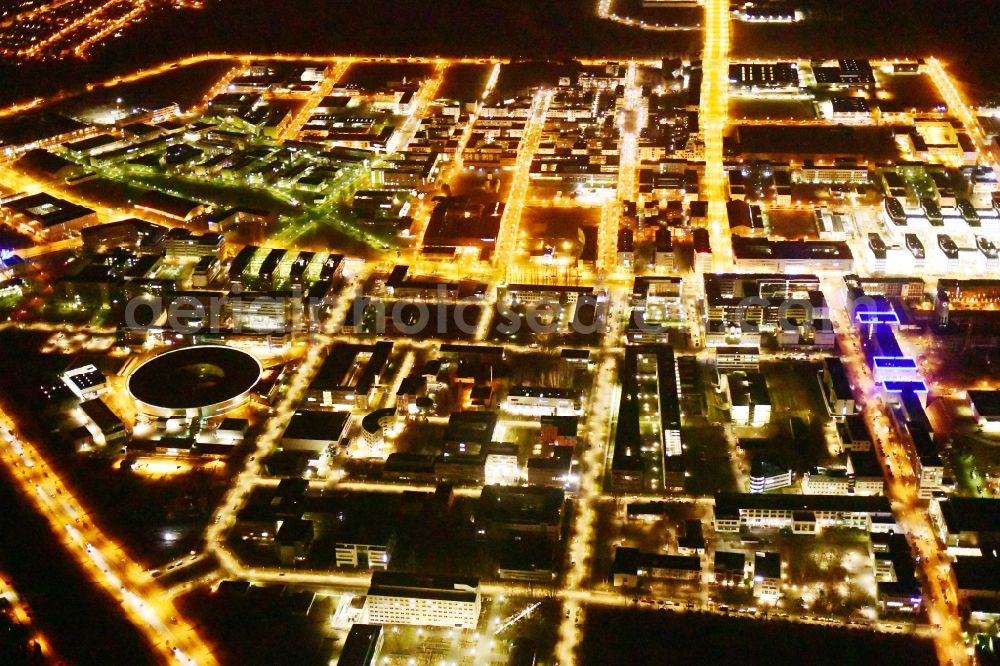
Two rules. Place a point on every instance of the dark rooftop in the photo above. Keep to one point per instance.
(729, 504)
(971, 514)
(316, 425)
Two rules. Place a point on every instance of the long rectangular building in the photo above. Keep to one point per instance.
(836, 388)
(924, 454)
(759, 298)
(764, 75)
(804, 514)
(889, 287)
(362, 645)
(790, 256)
(649, 420)
(400, 598)
(973, 294)
(632, 567)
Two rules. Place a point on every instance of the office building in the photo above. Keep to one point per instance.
(969, 526)
(730, 568)
(748, 397)
(104, 425)
(377, 425)
(503, 512)
(438, 601)
(766, 476)
(553, 470)
(559, 431)
(349, 375)
(45, 217)
(537, 400)
(501, 466)
(897, 585)
(760, 254)
(836, 388)
(86, 382)
(657, 309)
(729, 358)
(648, 431)
(774, 75)
(986, 408)
(316, 431)
(263, 312)
(767, 576)
(854, 434)
(804, 514)
(632, 568)
(362, 647)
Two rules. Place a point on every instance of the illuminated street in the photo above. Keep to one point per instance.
(510, 224)
(20, 613)
(912, 512)
(104, 560)
(714, 115)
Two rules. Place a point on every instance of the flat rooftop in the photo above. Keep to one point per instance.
(395, 584)
(971, 514)
(874, 143)
(316, 425)
(761, 248)
(361, 645)
(729, 504)
(986, 403)
(336, 371)
(525, 504)
(47, 210)
(977, 574)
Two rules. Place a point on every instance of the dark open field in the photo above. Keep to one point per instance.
(638, 638)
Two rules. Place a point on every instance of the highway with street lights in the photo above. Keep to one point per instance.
(106, 563)
(713, 119)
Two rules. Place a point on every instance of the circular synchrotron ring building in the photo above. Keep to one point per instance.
(202, 381)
